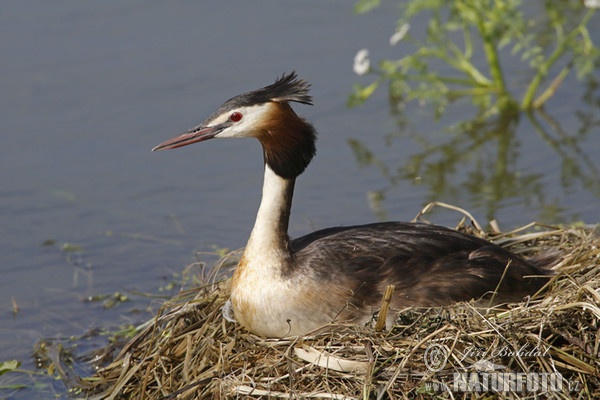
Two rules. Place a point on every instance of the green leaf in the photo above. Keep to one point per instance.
(364, 6)
(16, 386)
(71, 248)
(9, 366)
(362, 93)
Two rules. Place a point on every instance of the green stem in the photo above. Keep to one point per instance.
(468, 42)
(528, 98)
(549, 92)
(446, 79)
(461, 63)
(469, 92)
(492, 58)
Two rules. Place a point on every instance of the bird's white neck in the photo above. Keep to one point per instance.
(265, 295)
(269, 237)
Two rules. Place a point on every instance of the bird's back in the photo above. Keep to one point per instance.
(428, 264)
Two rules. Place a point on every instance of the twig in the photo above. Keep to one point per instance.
(385, 307)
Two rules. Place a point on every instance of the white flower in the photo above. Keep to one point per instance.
(399, 34)
(592, 3)
(361, 62)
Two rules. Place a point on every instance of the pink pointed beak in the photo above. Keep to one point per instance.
(195, 135)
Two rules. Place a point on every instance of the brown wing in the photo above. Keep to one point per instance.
(429, 265)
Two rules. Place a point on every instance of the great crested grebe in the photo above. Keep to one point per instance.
(284, 287)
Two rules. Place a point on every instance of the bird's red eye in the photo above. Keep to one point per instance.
(235, 116)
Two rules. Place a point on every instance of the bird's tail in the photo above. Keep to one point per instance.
(547, 261)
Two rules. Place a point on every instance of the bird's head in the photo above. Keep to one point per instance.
(288, 141)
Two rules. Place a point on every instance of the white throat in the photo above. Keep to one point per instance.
(271, 295)
(271, 225)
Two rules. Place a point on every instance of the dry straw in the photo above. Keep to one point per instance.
(190, 351)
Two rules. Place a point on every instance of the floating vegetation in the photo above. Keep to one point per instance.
(109, 300)
(549, 343)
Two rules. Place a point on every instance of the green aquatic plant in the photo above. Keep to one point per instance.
(468, 43)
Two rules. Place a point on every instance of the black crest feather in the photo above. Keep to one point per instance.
(286, 88)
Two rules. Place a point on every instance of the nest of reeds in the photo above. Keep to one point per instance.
(546, 345)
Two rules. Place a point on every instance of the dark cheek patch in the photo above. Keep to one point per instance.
(288, 142)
